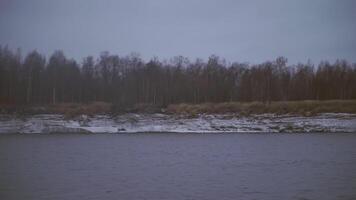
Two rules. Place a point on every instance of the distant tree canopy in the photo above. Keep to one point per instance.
(129, 80)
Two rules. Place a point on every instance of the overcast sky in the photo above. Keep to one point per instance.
(238, 30)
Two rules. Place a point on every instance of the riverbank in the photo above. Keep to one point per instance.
(101, 117)
(203, 123)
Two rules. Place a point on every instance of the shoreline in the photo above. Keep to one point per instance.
(164, 123)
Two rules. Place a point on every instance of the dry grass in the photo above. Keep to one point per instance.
(283, 107)
(305, 108)
(73, 109)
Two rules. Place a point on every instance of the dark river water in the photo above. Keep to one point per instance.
(178, 166)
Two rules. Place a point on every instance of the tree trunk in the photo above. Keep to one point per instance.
(54, 96)
(29, 90)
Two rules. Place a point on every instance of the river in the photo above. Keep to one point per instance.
(178, 166)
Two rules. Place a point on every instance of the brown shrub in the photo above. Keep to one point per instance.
(307, 108)
(73, 109)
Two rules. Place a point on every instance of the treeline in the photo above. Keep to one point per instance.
(129, 80)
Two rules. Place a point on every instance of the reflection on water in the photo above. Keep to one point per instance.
(178, 166)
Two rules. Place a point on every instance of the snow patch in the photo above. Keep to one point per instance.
(132, 123)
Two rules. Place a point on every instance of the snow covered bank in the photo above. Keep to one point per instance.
(133, 123)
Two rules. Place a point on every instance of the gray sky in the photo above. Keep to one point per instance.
(238, 30)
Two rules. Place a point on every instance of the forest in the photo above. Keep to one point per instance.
(128, 80)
